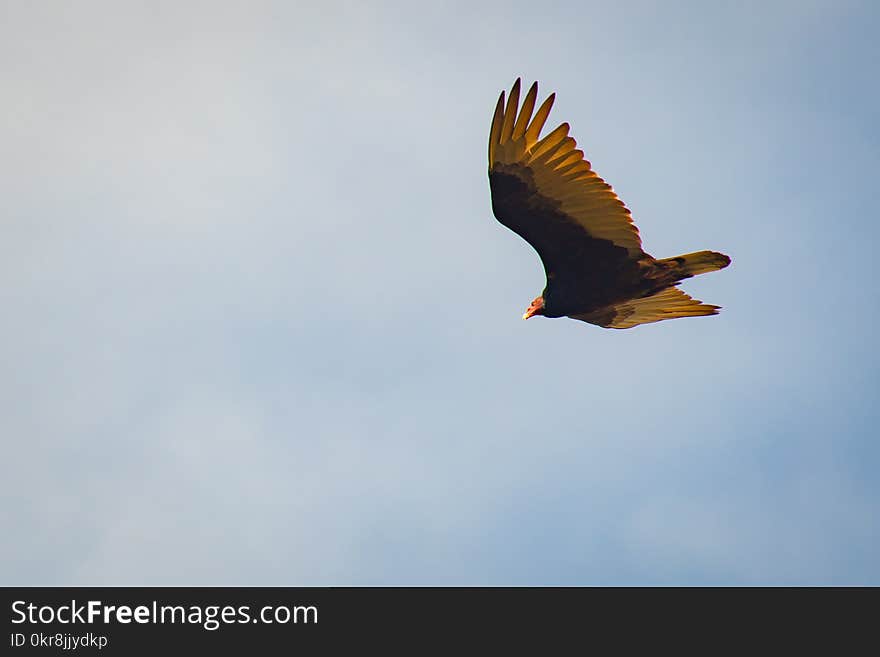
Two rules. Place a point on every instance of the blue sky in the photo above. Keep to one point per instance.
(260, 326)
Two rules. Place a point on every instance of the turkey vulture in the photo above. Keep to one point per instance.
(545, 191)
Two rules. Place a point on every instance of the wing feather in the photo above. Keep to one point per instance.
(670, 303)
(557, 172)
(537, 124)
(547, 145)
(510, 112)
(566, 160)
(525, 114)
(495, 132)
(576, 169)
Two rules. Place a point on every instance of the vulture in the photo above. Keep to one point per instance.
(546, 192)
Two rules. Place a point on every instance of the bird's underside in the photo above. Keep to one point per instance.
(546, 192)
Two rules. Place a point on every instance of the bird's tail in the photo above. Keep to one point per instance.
(691, 264)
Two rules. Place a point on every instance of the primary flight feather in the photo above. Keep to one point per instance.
(545, 191)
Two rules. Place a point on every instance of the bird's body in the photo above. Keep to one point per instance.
(544, 190)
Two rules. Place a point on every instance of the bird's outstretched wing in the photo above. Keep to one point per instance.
(666, 304)
(544, 190)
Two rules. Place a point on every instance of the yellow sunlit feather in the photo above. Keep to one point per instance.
(495, 133)
(547, 144)
(558, 170)
(537, 124)
(510, 112)
(525, 113)
(667, 304)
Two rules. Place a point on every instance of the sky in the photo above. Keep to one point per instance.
(260, 326)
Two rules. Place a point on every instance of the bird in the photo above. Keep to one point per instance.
(544, 190)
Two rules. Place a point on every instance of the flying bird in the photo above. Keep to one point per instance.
(545, 191)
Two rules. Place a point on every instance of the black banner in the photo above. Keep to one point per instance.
(135, 620)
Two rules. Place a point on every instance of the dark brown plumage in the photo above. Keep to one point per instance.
(545, 191)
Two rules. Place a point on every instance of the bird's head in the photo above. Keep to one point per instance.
(537, 308)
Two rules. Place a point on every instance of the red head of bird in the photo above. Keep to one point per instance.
(537, 308)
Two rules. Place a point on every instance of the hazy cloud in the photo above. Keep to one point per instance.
(261, 328)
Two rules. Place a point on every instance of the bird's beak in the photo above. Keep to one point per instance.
(530, 312)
